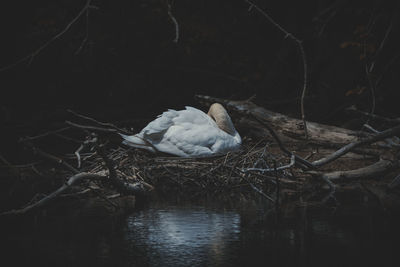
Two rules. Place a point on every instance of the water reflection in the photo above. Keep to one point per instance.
(187, 235)
(198, 236)
(176, 236)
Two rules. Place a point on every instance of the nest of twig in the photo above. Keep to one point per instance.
(251, 171)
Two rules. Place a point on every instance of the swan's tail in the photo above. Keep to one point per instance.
(136, 141)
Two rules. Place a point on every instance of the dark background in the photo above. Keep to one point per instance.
(129, 69)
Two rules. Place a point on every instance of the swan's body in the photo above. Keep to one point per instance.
(188, 133)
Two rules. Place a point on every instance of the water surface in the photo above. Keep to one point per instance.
(179, 234)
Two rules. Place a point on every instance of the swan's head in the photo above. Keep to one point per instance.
(218, 113)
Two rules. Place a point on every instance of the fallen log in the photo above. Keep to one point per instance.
(287, 126)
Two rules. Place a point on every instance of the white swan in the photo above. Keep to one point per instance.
(188, 133)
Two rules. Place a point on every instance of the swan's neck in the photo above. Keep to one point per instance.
(222, 119)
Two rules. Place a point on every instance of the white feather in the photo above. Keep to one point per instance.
(185, 133)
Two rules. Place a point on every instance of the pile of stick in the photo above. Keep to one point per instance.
(280, 166)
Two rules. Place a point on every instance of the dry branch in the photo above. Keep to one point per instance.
(104, 124)
(51, 157)
(92, 128)
(55, 37)
(71, 181)
(347, 148)
(30, 138)
(303, 55)
(124, 187)
(172, 17)
(375, 170)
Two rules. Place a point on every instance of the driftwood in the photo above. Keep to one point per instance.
(285, 125)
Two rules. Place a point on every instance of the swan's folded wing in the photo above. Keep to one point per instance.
(192, 139)
(155, 130)
(194, 116)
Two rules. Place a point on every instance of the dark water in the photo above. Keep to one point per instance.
(193, 235)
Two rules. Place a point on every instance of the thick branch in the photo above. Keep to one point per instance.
(374, 170)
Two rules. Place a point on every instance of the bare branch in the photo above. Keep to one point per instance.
(255, 188)
(171, 16)
(281, 146)
(30, 57)
(71, 181)
(93, 128)
(373, 116)
(303, 55)
(30, 138)
(281, 168)
(52, 158)
(374, 170)
(347, 148)
(106, 124)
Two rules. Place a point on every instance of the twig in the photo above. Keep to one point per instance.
(332, 189)
(373, 116)
(281, 146)
(106, 124)
(372, 91)
(82, 146)
(327, 10)
(290, 165)
(30, 138)
(381, 45)
(395, 182)
(100, 195)
(278, 189)
(347, 148)
(171, 16)
(255, 188)
(37, 51)
(86, 35)
(303, 55)
(93, 128)
(52, 158)
(71, 181)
